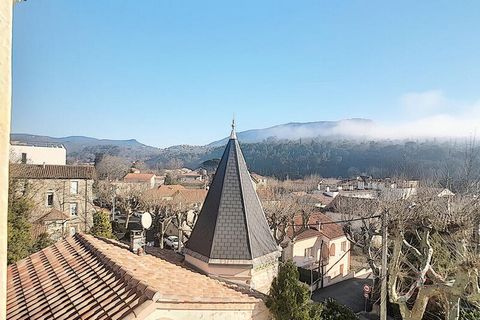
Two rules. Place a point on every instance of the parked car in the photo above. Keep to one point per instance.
(171, 241)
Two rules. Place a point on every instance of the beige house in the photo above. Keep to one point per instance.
(191, 177)
(62, 196)
(321, 246)
(147, 179)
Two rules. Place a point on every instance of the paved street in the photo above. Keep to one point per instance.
(348, 292)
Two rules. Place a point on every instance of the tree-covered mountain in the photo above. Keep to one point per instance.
(347, 128)
(328, 156)
(84, 149)
(338, 158)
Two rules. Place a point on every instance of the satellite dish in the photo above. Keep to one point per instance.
(146, 220)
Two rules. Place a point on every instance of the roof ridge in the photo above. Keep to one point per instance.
(148, 291)
(242, 196)
(129, 278)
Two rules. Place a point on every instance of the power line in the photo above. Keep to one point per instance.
(334, 222)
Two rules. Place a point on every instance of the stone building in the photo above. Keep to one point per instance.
(62, 196)
(231, 238)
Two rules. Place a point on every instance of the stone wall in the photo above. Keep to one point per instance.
(36, 190)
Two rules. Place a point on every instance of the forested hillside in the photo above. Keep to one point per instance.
(345, 158)
(328, 157)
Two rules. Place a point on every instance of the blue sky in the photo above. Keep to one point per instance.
(174, 72)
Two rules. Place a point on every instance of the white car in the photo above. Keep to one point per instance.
(171, 241)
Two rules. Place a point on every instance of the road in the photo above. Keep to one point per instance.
(348, 292)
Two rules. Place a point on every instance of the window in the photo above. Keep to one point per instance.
(73, 187)
(344, 246)
(73, 209)
(332, 249)
(24, 157)
(309, 252)
(49, 199)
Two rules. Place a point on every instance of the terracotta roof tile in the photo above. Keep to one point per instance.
(328, 229)
(138, 177)
(85, 277)
(33, 171)
(191, 195)
(54, 215)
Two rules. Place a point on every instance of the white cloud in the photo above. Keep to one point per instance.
(435, 116)
(424, 102)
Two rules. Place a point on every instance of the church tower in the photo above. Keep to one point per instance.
(231, 238)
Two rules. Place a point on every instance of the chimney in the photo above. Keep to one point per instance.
(327, 189)
(44, 165)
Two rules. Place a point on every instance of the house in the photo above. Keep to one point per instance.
(82, 277)
(166, 192)
(321, 246)
(147, 179)
(258, 180)
(191, 177)
(39, 153)
(231, 239)
(62, 196)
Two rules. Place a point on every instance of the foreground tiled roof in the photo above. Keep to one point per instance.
(88, 278)
(33, 171)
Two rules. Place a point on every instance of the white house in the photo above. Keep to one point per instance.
(54, 154)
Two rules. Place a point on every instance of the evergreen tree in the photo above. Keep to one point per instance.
(289, 299)
(41, 242)
(101, 225)
(19, 228)
(332, 310)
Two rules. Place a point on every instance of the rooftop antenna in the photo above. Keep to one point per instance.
(233, 135)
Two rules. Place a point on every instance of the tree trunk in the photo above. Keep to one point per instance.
(161, 235)
(453, 308)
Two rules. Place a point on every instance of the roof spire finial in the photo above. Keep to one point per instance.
(233, 135)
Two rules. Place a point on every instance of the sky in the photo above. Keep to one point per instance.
(174, 72)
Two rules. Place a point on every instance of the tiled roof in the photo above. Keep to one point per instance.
(138, 177)
(191, 195)
(85, 277)
(323, 199)
(54, 215)
(168, 190)
(308, 233)
(232, 224)
(69, 281)
(33, 171)
(328, 228)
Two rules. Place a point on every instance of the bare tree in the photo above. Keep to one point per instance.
(161, 211)
(282, 206)
(112, 168)
(432, 256)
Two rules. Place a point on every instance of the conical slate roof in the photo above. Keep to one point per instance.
(232, 224)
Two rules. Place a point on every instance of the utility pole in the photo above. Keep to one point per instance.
(321, 264)
(383, 295)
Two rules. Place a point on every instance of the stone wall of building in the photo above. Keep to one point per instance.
(64, 200)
